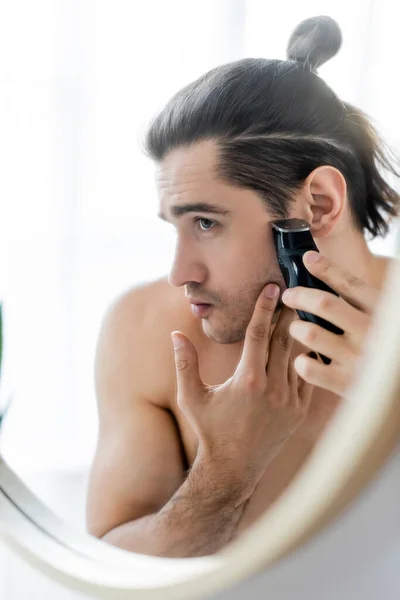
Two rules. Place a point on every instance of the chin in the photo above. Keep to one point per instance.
(223, 335)
(226, 334)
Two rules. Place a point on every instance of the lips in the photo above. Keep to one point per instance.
(200, 310)
(196, 303)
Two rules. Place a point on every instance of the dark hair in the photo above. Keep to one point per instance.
(275, 121)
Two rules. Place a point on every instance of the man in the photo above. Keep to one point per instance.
(195, 444)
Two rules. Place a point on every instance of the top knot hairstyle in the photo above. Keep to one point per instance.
(314, 42)
(275, 121)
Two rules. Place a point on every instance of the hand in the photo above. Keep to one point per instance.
(243, 423)
(352, 312)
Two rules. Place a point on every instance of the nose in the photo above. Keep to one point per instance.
(186, 267)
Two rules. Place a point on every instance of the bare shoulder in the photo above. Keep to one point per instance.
(139, 461)
(135, 342)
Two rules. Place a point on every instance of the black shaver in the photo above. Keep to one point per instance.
(292, 238)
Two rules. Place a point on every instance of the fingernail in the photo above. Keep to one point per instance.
(177, 342)
(311, 257)
(272, 291)
(286, 294)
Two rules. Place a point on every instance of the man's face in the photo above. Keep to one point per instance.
(223, 259)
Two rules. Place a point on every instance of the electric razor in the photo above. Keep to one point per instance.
(292, 238)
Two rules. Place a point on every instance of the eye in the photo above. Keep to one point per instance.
(205, 224)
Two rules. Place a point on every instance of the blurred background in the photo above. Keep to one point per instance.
(79, 82)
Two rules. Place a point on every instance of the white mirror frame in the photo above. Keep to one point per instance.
(359, 440)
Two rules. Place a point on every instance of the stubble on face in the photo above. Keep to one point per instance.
(232, 312)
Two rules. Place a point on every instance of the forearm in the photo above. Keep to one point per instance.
(200, 519)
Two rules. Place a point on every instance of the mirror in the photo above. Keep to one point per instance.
(84, 257)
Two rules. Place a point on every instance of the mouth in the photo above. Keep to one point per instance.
(200, 310)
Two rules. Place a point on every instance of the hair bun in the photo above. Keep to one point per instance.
(314, 41)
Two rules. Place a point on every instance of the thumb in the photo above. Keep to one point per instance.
(187, 367)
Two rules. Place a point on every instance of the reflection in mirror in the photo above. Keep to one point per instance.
(174, 446)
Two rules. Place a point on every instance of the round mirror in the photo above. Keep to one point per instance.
(133, 463)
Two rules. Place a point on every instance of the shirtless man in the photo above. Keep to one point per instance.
(195, 444)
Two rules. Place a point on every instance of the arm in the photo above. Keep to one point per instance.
(138, 497)
(200, 519)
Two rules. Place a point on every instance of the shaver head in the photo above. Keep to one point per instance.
(291, 225)
(292, 235)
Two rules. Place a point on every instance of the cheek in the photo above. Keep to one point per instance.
(239, 268)
(244, 256)
(227, 259)
(239, 255)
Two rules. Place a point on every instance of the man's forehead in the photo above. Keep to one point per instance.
(187, 176)
(196, 160)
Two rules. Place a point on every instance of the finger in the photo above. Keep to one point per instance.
(305, 390)
(280, 347)
(351, 288)
(257, 336)
(329, 307)
(292, 375)
(329, 377)
(189, 383)
(336, 347)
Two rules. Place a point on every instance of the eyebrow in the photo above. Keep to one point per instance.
(204, 207)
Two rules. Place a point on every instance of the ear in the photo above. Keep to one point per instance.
(324, 200)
